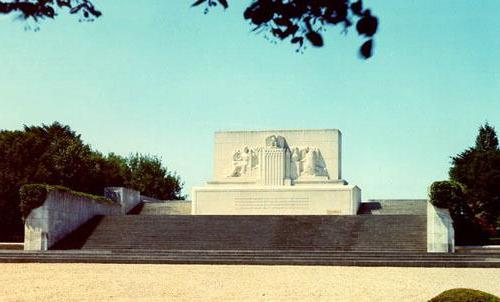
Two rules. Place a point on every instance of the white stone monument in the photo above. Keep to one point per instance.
(277, 172)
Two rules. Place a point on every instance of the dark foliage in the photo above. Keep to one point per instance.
(473, 193)
(31, 196)
(55, 155)
(464, 295)
(296, 20)
(479, 172)
(451, 195)
(148, 176)
(447, 194)
(301, 20)
(486, 139)
(41, 9)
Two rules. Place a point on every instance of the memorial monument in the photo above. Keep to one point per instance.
(277, 172)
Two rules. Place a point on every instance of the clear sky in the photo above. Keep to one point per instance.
(161, 78)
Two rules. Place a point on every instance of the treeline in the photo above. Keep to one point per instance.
(472, 193)
(56, 155)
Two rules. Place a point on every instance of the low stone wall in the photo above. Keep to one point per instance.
(440, 231)
(63, 212)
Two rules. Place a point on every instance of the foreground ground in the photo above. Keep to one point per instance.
(124, 282)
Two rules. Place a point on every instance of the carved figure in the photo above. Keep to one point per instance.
(320, 168)
(243, 162)
(271, 141)
(309, 162)
(295, 163)
(276, 141)
(240, 162)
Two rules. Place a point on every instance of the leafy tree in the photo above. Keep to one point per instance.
(56, 155)
(150, 178)
(486, 139)
(473, 193)
(451, 195)
(296, 20)
(479, 172)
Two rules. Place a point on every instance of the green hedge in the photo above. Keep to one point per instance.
(464, 295)
(34, 195)
(446, 194)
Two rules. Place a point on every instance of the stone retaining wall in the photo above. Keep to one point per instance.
(63, 212)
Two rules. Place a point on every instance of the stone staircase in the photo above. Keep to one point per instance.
(333, 233)
(149, 237)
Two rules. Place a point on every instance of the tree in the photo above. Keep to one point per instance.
(486, 139)
(296, 20)
(479, 172)
(150, 178)
(474, 184)
(451, 195)
(56, 155)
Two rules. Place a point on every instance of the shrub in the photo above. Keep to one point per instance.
(34, 195)
(446, 194)
(464, 295)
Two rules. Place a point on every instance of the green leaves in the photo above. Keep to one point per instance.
(306, 20)
(473, 192)
(56, 155)
(487, 138)
(152, 179)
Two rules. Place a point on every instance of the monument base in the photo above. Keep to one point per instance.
(334, 199)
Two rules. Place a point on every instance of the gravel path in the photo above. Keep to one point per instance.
(124, 282)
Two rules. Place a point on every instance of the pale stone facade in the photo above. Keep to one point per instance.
(277, 172)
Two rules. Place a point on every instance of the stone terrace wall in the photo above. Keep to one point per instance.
(63, 212)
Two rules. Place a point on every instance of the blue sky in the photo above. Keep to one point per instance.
(161, 78)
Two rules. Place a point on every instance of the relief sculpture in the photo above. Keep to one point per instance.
(307, 161)
(303, 161)
(243, 162)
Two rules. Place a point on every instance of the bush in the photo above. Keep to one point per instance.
(446, 194)
(34, 195)
(450, 195)
(464, 295)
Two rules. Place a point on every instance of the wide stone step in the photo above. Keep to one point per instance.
(274, 258)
